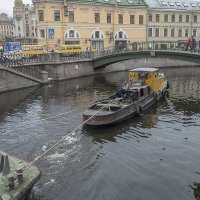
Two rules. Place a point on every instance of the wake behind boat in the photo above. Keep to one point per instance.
(145, 88)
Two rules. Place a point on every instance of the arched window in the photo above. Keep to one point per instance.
(72, 34)
(121, 35)
(97, 34)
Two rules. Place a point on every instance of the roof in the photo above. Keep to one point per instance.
(145, 69)
(132, 3)
(174, 4)
(113, 2)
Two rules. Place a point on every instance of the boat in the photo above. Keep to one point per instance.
(144, 88)
(17, 178)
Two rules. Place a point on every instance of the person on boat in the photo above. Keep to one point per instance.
(126, 85)
(121, 93)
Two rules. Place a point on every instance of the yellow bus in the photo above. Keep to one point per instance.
(32, 50)
(68, 49)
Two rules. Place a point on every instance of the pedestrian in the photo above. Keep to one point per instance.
(120, 46)
(194, 44)
(188, 44)
(150, 46)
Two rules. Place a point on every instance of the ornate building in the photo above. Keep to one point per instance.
(24, 22)
(173, 20)
(6, 26)
(92, 23)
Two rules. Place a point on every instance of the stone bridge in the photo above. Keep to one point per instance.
(106, 58)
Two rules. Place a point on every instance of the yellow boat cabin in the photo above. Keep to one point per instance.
(151, 77)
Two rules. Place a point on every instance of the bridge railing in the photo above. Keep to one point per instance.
(135, 46)
(148, 46)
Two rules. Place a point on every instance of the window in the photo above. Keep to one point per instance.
(195, 18)
(194, 34)
(172, 32)
(42, 33)
(180, 18)
(179, 32)
(120, 34)
(71, 16)
(173, 18)
(163, 3)
(41, 15)
(132, 19)
(157, 32)
(185, 4)
(178, 4)
(171, 4)
(97, 34)
(165, 32)
(108, 18)
(157, 17)
(150, 32)
(71, 33)
(26, 16)
(97, 17)
(166, 18)
(187, 18)
(120, 18)
(56, 15)
(27, 31)
(150, 18)
(186, 32)
(193, 5)
(141, 19)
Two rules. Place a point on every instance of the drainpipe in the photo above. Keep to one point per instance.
(147, 14)
(191, 24)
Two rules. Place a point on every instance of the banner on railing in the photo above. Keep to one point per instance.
(12, 47)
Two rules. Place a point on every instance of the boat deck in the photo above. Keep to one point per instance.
(30, 177)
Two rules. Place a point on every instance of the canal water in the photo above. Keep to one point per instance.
(155, 156)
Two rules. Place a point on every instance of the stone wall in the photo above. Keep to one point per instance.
(67, 70)
(73, 69)
(12, 81)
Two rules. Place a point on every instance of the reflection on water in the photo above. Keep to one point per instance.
(131, 127)
(154, 156)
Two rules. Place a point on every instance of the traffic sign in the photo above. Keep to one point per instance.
(51, 31)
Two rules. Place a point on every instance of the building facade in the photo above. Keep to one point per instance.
(24, 18)
(173, 21)
(6, 26)
(96, 24)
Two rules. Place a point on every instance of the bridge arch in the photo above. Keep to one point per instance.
(108, 59)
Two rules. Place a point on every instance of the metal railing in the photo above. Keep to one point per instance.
(149, 46)
(179, 46)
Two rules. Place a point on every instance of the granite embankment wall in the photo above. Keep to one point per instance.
(68, 70)
(12, 81)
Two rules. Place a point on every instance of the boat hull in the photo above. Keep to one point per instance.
(134, 109)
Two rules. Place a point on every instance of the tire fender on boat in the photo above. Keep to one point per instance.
(168, 86)
(163, 94)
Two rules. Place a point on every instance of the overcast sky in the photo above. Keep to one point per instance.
(7, 5)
